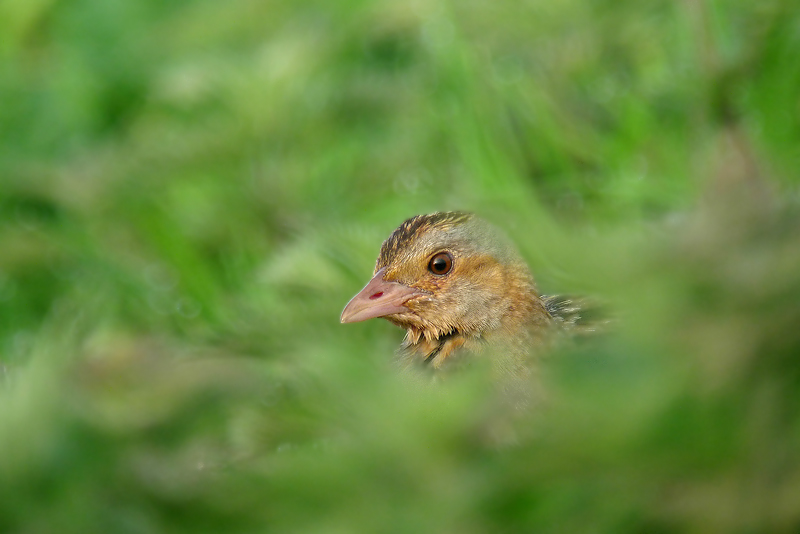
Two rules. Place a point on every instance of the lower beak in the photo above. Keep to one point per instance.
(379, 298)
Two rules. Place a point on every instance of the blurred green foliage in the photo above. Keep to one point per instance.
(191, 191)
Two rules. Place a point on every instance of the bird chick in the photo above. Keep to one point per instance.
(455, 285)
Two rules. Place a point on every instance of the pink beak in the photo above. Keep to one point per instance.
(379, 298)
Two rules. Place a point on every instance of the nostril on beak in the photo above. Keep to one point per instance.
(377, 295)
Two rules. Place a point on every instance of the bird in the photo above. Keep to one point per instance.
(458, 287)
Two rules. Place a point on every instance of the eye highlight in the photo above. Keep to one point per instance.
(441, 263)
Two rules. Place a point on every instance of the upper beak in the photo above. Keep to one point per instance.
(378, 298)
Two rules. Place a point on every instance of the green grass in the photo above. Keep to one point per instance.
(190, 192)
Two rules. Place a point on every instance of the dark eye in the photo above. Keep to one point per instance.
(441, 263)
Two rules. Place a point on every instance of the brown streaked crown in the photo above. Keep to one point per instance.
(415, 226)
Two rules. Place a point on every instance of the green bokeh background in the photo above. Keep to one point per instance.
(191, 191)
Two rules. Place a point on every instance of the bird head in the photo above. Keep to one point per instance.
(447, 274)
